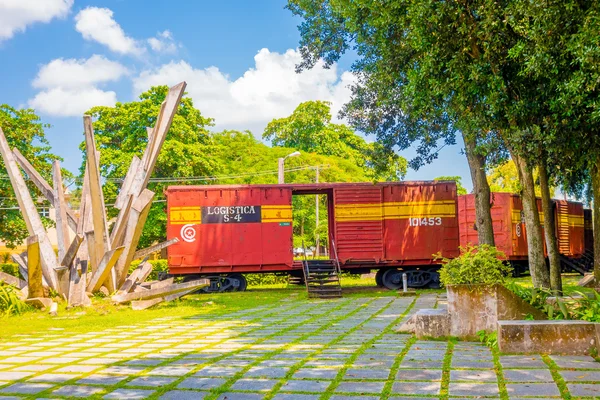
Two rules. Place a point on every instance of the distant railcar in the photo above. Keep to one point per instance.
(394, 227)
(510, 233)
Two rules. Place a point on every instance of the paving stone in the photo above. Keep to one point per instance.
(254, 384)
(152, 381)
(576, 362)
(316, 373)
(361, 373)
(26, 388)
(49, 378)
(524, 361)
(421, 365)
(14, 376)
(532, 389)
(122, 370)
(360, 387)
(241, 396)
(473, 375)
(457, 363)
(101, 379)
(267, 372)
(129, 394)
(416, 388)
(169, 370)
(584, 389)
(528, 375)
(77, 391)
(201, 383)
(419, 375)
(359, 397)
(305, 386)
(183, 395)
(295, 396)
(145, 361)
(473, 389)
(218, 371)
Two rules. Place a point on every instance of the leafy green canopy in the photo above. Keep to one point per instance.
(309, 128)
(460, 189)
(24, 131)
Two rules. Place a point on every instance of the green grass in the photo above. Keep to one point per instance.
(104, 314)
(569, 282)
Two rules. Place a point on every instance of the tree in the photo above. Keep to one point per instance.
(460, 189)
(415, 78)
(25, 131)
(309, 128)
(121, 134)
(426, 69)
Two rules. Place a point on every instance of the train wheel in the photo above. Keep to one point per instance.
(238, 281)
(379, 277)
(392, 279)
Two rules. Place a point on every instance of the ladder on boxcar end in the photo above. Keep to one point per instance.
(564, 242)
(322, 278)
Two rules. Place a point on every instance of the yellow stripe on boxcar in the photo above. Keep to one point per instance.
(394, 210)
(276, 213)
(185, 215)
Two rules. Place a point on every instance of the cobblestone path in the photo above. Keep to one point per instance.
(343, 349)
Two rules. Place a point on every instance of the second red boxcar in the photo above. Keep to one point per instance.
(510, 233)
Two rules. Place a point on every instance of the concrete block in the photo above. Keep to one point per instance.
(587, 281)
(40, 302)
(550, 337)
(432, 323)
(474, 308)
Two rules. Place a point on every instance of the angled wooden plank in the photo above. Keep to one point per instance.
(164, 283)
(43, 186)
(71, 253)
(62, 227)
(90, 237)
(12, 280)
(22, 265)
(125, 189)
(103, 271)
(29, 212)
(157, 247)
(95, 193)
(164, 120)
(116, 236)
(135, 225)
(144, 304)
(137, 276)
(175, 296)
(34, 268)
(161, 292)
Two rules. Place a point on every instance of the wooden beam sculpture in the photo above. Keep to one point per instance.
(30, 213)
(105, 257)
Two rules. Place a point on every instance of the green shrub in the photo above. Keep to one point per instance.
(476, 265)
(489, 339)
(266, 279)
(10, 268)
(158, 266)
(10, 304)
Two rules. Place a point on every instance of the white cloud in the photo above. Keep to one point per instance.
(97, 24)
(272, 89)
(16, 15)
(163, 43)
(74, 73)
(73, 102)
(69, 87)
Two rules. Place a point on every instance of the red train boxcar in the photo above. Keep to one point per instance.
(510, 233)
(397, 227)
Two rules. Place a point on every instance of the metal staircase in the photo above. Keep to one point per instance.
(322, 278)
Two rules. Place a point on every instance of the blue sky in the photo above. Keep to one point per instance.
(237, 57)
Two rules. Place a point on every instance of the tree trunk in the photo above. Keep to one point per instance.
(481, 189)
(535, 245)
(596, 220)
(550, 232)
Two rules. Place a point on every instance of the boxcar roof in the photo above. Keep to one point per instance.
(306, 186)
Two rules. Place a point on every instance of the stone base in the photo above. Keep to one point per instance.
(432, 323)
(550, 337)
